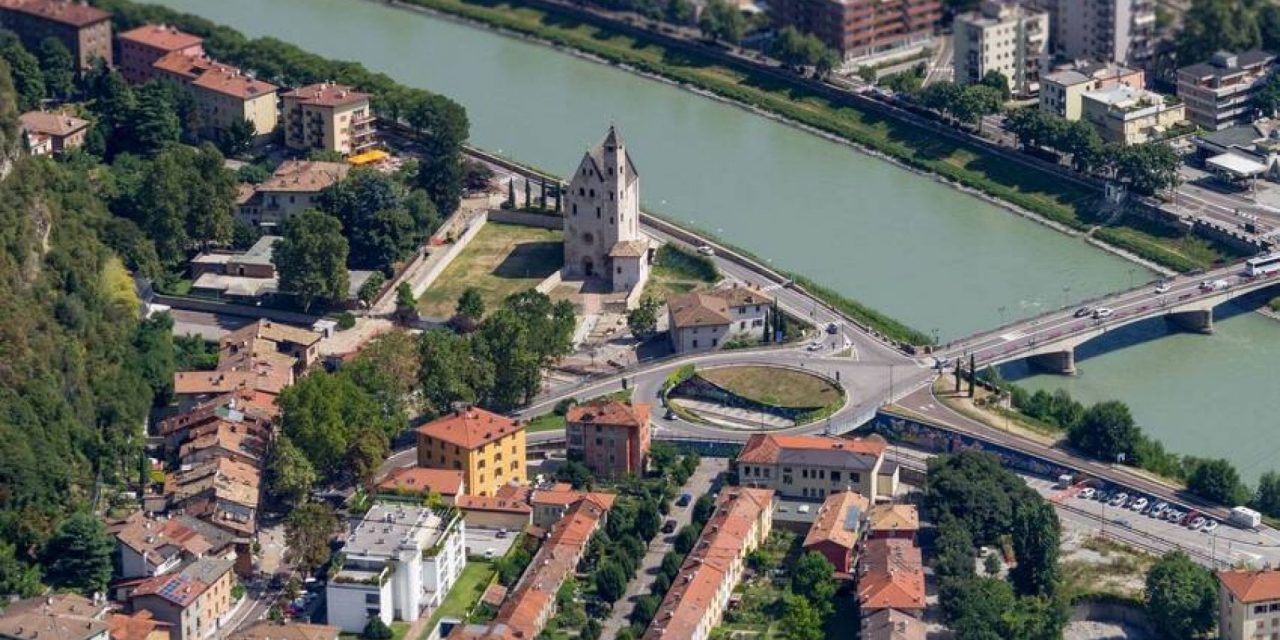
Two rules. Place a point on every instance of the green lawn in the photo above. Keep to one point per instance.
(501, 260)
(545, 422)
(775, 385)
(465, 593)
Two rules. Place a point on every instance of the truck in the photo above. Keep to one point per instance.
(1245, 518)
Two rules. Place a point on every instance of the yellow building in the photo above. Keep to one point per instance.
(328, 116)
(1249, 605)
(486, 447)
(222, 94)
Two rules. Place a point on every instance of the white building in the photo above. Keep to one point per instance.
(1127, 116)
(602, 236)
(707, 319)
(1006, 37)
(1105, 30)
(1219, 93)
(398, 561)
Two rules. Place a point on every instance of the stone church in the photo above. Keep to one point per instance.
(602, 238)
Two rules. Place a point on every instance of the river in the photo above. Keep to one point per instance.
(916, 249)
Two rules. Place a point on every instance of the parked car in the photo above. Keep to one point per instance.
(669, 526)
(1083, 311)
(1139, 504)
(1087, 492)
(1163, 287)
(1119, 499)
(1159, 508)
(1196, 523)
(706, 250)
(1210, 525)
(833, 328)
(684, 500)
(502, 533)
(1102, 312)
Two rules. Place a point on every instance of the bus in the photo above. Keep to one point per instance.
(1262, 265)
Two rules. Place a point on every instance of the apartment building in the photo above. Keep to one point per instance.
(1120, 31)
(1249, 604)
(142, 47)
(85, 30)
(148, 547)
(552, 503)
(399, 560)
(54, 617)
(331, 117)
(894, 521)
(293, 187)
(221, 491)
(815, 467)
(222, 94)
(891, 576)
(1125, 115)
(532, 601)
(862, 28)
(487, 447)
(696, 601)
(193, 601)
(1002, 36)
(838, 528)
(609, 436)
(1062, 91)
(1219, 93)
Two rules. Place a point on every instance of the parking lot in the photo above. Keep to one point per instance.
(481, 540)
(1224, 545)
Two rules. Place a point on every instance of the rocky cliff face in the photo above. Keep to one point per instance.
(10, 135)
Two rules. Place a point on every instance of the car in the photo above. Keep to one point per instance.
(684, 500)
(277, 582)
(1117, 501)
(706, 250)
(502, 533)
(1123, 522)
(669, 526)
(1196, 523)
(1158, 509)
(833, 328)
(1102, 312)
(1210, 525)
(1177, 517)
(1139, 504)
(1087, 492)
(1083, 311)
(490, 553)
(669, 415)
(816, 345)
(1163, 287)
(1102, 495)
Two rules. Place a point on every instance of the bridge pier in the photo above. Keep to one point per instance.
(1062, 362)
(1198, 321)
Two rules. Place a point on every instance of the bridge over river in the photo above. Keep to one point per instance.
(1049, 340)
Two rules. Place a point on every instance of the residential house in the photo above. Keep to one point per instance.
(293, 187)
(241, 442)
(25, 620)
(509, 509)
(223, 94)
(894, 521)
(149, 547)
(267, 630)
(487, 447)
(891, 576)
(1125, 115)
(240, 408)
(532, 601)
(398, 560)
(85, 30)
(50, 133)
(696, 601)
(328, 117)
(552, 503)
(862, 28)
(1061, 92)
(194, 601)
(704, 320)
(838, 528)
(62, 605)
(261, 357)
(140, 625)
(1002, 36)
(1248, 604)
(249, 276)
(891, 624)
(417, 483)
(142, 47)
(814, 467)
(610, 436)
(1219, 93)
(221, 491)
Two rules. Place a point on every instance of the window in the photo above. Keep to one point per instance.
(597, 213)
(592, 192)
(575, 208)
(715, 342)
(373, 598)
(855, 477)
(619, 269)
(766, 472)
(1261, 608)
(835, 476)
(695, 344)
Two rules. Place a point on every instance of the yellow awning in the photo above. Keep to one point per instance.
(368, 157)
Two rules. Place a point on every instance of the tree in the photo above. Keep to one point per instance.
(237, 139)
(387, 369)
(59, 67)
(311, 258)
(371, 287)
(289, 473)
(1149, 168)
(1181, 597)
(646, 607)
(671, 562)
(444, 126)
(368, 448)
(813, 578)
(1035, 534)
(323, 413)
(376, 629)
(611, 581)
(211, 198)
(977, 101)
(405, 300)
(447, 372)
(648, 521)
(379, 229)
(643, 320)
(28, 79)
(802, 618)
(78, 556)
(17, 577)
(1217, 481)
(1106, 431)
(576, 474)
(154, 123)
(722, 21)
(943, 97)
(309, 528)
(476, 175)
(703, 508)
(679, 11)
(998, 81)
(1267, 498)
(470, 305)
(512, 565)
(986, 603)
(154, 349)
(685, 539)
(1209, 26)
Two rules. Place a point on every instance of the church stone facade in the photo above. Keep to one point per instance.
(602, 238)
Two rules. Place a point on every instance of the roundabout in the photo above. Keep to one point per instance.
(753, 397)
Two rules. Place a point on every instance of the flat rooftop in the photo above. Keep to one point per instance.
(388, 529)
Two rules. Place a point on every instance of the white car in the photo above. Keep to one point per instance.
(1139, 504)
(814, 346)
(1087, 493)
(1103, 312)
(1163, 287)
(1119, 499)
(1209, 526)
(1196, 523)
(706, 250)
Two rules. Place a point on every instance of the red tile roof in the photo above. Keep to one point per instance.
(134, 627)
(163, 37)
(564, 497)
(75, 14)
(1252, 586)
(471, 428)
(53, 124)
(766, 448)
(230, 81)
(492, 503)
(446, 482)
(610, 412)
(327, 95)
(832, 521)
(181, 64)
(891, 575)
(887, 518)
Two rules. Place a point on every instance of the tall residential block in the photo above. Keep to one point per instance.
(142, 47)
(222, 94)
(328, 117)
(610, 436)
(861, 28)
(1061, 92)
(1006, 37)
(1120, 31)
(486, 447)
(85, 30)
(1219, 93)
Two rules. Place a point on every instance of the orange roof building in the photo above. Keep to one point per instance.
(814, 467)
(328, 116)
(695, 603)
(552, 503)
(261, 357)
(838, 528)
(138, 626)
(1248, 601)
(418, 482)
(610, 436)
(62, 131)
(894, 521)
(85, 30)
(703, 320)
(891, 576)
(891, 624)
(192, 601)
(142, 47)
(488, 448)
(224, 95)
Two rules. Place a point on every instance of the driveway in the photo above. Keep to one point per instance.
(698, 484)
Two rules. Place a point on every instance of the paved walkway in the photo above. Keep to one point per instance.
(698, 484)
(734, 417)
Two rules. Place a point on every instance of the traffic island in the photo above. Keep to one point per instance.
(754, 397)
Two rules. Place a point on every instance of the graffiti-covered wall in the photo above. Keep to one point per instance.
(939, 439)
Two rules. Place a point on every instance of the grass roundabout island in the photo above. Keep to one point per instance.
(756, 397)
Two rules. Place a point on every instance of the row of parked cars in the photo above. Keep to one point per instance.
(1158, 509)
